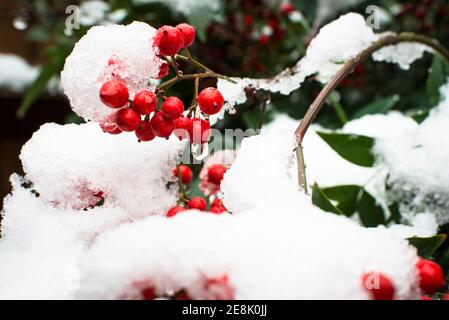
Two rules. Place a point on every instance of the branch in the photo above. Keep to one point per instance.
(347, 68)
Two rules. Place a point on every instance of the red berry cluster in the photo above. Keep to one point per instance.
(185, 176)
(431, 277)
(424, 14)
(142, 116)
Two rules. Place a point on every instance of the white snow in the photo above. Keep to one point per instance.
(186, 7)
(16, 74)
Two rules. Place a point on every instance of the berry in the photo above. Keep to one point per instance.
(379, 286)
(199, 131)
(108, 125)
(287, 8)
(264, 39)
(215, 173)
(185, 172)
(148, 293)
(144, 131)
(127, 119)
(168, 40)
(182, 125)
(217, 209)
(145, 102)
(175, 210)
(217, 202)
(172, 108)
(163, 71)
(248, 20)
(210, 100)
(425, 298)
(197, 203)
(114, 94)
(431, 276)
(183, 295)
(161, 126)
(421, 13)
(187, 33)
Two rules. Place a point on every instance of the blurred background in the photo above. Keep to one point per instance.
(254, 38)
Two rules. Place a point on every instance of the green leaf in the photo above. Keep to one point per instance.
(203, 15)
(322, 201)
(307, 8)
(352, 147)
(371, 214)
(419, 115)
(381, 106)
(346, 197)
(438, 74)
(427, 246)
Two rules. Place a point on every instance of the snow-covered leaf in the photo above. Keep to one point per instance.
(322, 201)
(427, 246)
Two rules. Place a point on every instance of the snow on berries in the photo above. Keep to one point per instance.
(114, 94)
(210, 101)
(379, 286)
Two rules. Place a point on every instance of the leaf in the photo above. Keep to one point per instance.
(352, 147)
(346, 196)
(203, 14)
(419, 115)
(371, 214)
(381, 106)
(438, 73)
(427, 246)
(322, 201)
(307, 8)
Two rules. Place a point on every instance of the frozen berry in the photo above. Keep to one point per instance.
(161, 126)
(197, 203)
(163, 71)
(210, 100)
(148, 293)
(379, 286)
(217, 202)
(215, 173)
(127, 119)
(187, 33)
(145, 102)
(144, 131)
(199, 131)
(287, 8)
(182, 125)
(108, 125)
(114, 94)
(185, 172)
(168, 40)
(431, 276)
(217, 209)
(172, 108)
(175, 210)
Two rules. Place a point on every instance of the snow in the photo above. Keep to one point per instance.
(402, 54)
(96, 59)
(187, 7)
(69, 164)
(16, 73)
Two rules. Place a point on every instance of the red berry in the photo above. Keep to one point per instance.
(182, 125)
(172, 108)
(183, 295)
(148, 293)
(161, 126)
(127, 119)
(431, 276)
(210, 100)
(185, 172)
(175, 210)
(215, 173)
(187, 34)
(379, 286)
(163, 71)
(217, 209)
(145, 102)
(168, 40)
(248, 20)
(144, 131)
(287, 8)
(264, 39)
(421, 13)
(114, 94)
(199, 131)
(216, 202)
(425, 298)
(197, 203)
(108, 125)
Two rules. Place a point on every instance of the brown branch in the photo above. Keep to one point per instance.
(347, 68)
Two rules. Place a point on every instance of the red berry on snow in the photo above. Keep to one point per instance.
(183, 295)
(185, 172)
(109, 126)
(114, 94)
(424, 298)
(175, 210)
(127, 119)
(215, 173)
(148, 293)
(197, 203)
(163, 70)
(144, 131)
(431, 276)
(210, 100)
(187, 34)
(182, 125)
(217, 209)
(168, 40)
(287, 8)
(216, 202)
(145, 102)
(199, 131)
(172, 108)
(379, 286)
(161, 126)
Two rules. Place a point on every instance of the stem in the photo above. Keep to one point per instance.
(193, 61)
(347, 68)
(339, 110)
(169, 83)
(263, 111)
(182, 193)
(302, 178)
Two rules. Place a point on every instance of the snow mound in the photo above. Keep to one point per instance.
(97, 59)
(16, 73)
(186, 252)
(72, 166)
